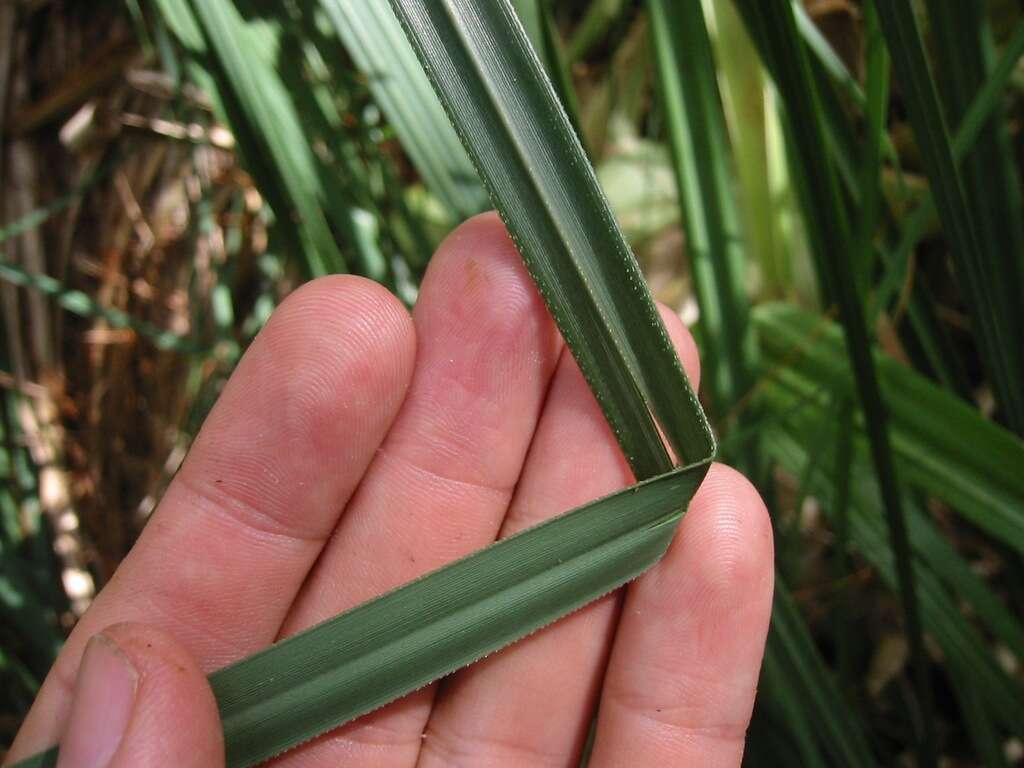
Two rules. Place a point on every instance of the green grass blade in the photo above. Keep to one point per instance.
(799, 179)
(822, 50)
(374, 653)
(780, 732)
(947, 366)
(841, 566)
(817, 699)
(958, 576)
(962, 53)
(857, 169)
(976, 719)
(700, 148)
(826, 219)
(972, 451)
(80, 303)
(788, 534)
(26, 614)
(938, 351)
(875, 111)
(828, 61)
(600, 17)
(345, 197)
(765, 204)
(378, 46)
(44, 213)
(47, 759)
(245, 54)
(531, 161)
(991, 317)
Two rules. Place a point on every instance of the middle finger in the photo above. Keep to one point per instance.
(440, 484)
(530, 704)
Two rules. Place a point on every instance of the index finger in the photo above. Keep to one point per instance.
(275, 463)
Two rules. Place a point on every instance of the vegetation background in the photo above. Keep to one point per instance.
(171, 169)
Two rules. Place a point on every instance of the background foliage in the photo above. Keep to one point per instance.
(829, 192)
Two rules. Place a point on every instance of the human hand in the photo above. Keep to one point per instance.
(354, 449)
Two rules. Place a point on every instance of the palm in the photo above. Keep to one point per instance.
(354, 450)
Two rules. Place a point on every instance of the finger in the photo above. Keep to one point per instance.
(140, 700)
(242, 523)
(440, 485)
(680, 683)
(531, 703)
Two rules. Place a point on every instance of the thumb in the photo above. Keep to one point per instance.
(140, 700)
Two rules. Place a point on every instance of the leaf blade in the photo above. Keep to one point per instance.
(560, 222)
(371, 654)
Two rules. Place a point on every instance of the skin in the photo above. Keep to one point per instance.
(357, 447)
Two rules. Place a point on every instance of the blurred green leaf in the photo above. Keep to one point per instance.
(961, 458)
(773, 25)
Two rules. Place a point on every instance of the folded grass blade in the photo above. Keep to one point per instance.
(511, 122)
(364, 658)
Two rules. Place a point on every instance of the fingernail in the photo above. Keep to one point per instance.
(101, 706)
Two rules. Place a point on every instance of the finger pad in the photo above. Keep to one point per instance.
(316, 392)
